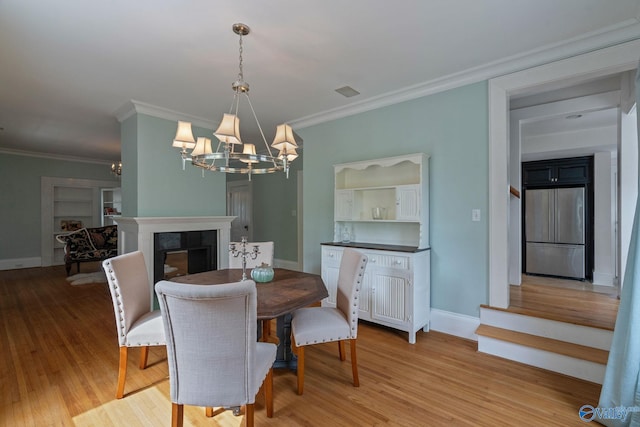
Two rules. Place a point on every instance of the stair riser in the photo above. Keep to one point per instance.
(578, 368)
(576, 334)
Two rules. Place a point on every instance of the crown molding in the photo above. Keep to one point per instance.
(54, 156)
(136, 107)
(623, 32)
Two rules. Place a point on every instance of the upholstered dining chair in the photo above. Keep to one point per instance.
(265, 255)
(136, 323)
(227, 368)
(314, 325)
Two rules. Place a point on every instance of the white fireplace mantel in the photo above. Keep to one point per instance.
(137, 233)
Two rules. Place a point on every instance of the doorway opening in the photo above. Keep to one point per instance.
(503, 210)
(240, 205)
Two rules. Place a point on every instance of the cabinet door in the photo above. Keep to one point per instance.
(572, 174)
(330, 270)
(408, 203)
(388, 298)
(330, 279)
(343, 209)
(540, 175)
(364, 302)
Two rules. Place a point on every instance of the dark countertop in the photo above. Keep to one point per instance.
(376, 246)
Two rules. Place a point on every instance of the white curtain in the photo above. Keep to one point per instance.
(620, 396)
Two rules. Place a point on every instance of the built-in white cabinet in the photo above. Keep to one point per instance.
(381, 207)
(395, 291)
(111, 205)
(66, 204)
(73, 208)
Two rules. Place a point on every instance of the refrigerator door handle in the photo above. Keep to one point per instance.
(554, 212)
(552, 217)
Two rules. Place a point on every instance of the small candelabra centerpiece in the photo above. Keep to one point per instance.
(242, 252)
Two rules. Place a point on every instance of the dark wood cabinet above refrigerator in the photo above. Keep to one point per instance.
(557, 172)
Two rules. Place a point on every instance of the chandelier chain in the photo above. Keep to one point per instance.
(240, 74)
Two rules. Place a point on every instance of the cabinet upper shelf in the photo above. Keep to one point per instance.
(386, 162)
(380, 173)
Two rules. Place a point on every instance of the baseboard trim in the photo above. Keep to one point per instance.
(459, 325)
(16, 263)
(603, 279)
(289, 265)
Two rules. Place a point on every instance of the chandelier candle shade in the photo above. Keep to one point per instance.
(232, 155)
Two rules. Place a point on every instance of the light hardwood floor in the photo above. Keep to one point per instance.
(60, 357)
(569, 301)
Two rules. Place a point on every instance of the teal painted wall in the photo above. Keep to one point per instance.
(160, 186)
(20, 177)
(274, 199)
(452, 127)
(129, 157)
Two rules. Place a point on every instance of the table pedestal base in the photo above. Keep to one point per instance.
(285, 359)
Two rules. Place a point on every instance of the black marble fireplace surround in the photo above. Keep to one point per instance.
(201, 247)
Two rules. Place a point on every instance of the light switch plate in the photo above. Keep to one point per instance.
(475, 214)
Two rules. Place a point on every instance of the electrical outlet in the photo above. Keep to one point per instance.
(475, 214)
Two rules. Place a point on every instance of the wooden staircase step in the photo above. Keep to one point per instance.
(547, 344)
(550, 316)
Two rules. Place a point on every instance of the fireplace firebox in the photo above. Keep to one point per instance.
(201, 248)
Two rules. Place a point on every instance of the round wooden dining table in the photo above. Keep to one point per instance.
(288, 291)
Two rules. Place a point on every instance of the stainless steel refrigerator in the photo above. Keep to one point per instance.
(555, 232)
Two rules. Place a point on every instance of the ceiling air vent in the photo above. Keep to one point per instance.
(347, 91)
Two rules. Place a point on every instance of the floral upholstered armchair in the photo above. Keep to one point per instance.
(89, 244)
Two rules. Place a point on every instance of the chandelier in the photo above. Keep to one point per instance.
(116, 168)
(232, 154)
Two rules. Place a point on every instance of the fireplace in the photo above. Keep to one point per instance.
(204, 239)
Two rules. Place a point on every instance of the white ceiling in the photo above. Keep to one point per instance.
(578, 119)
(67, 66)
(571, 123)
